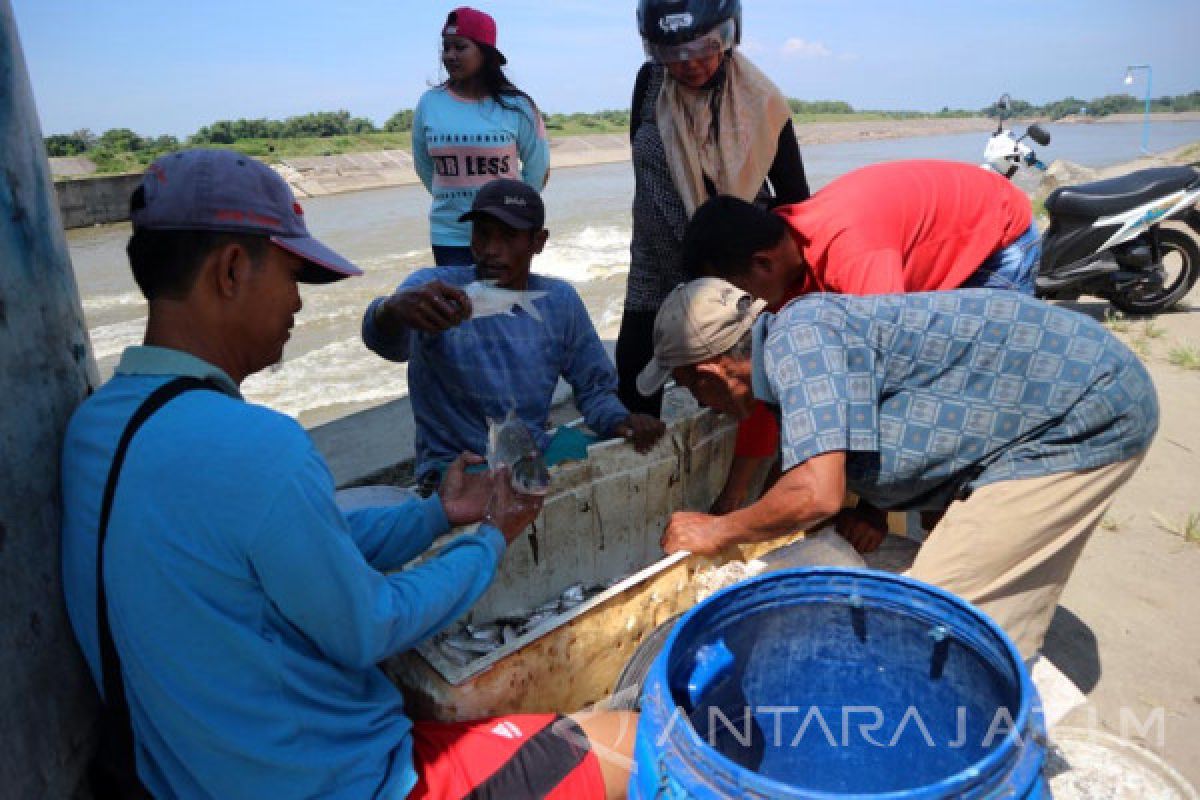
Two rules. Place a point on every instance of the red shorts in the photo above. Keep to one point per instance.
(515, 757)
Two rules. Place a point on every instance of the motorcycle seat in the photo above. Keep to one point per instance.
(1115, 195)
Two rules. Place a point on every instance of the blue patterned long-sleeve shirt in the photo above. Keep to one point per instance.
(459, 378)
(935, 392)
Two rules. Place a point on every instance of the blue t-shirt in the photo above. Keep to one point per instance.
(458, 145)
(482, 368)
(931, 392)
(248, 611)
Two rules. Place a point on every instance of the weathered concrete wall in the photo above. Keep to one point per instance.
(94, 201)
(47, 698)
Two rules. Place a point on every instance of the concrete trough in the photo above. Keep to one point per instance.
(600, 525)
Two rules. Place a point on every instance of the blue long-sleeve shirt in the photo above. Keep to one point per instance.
(460, 144)
(459, 378)
(248, 611)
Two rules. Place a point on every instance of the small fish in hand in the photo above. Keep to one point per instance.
(511, 445)
(488, 299)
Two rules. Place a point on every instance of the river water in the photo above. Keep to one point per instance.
(327, 372)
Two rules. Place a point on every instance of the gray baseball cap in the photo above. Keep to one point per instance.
(699, 320)
(227, 192)
(515, 203)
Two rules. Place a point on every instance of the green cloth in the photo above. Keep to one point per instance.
(568, 444)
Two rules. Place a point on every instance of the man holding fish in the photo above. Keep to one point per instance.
(231, 615)
(485, 341)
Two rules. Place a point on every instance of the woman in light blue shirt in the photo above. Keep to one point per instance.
(473, 128)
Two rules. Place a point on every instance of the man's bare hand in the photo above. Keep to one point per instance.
(862, 527)
(696, 532)
(508, 510)
(432, 308)
(641, 429)
(465, 495)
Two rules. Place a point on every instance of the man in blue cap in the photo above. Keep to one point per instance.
(222, 601)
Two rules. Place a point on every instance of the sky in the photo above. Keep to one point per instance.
(171, 66)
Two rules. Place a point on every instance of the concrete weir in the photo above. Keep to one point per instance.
(96, 200)
(46, 368)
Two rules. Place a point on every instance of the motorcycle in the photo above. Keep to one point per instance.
(1105, 238)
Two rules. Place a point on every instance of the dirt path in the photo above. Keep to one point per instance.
(1128, 626)
(867, 130)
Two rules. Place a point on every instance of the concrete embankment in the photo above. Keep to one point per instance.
(323, 175)
(94, 200)
(98, 200)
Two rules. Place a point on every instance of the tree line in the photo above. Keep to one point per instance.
(325, 124)
(1100, 106)
(319, 124)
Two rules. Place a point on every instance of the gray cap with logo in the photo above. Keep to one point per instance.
(226, 191)
(699, 320)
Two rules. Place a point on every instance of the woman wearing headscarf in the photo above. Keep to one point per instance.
(705, 121)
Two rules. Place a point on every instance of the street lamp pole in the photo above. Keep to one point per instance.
(1146, 117)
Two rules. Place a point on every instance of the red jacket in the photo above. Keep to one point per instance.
(904, 226)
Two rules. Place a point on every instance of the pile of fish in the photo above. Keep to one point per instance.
(469, 642)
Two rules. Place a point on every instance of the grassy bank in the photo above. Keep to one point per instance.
(275, 150)
(270, 150)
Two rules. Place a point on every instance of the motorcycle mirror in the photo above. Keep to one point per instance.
(1002, 107)
(1038, 134)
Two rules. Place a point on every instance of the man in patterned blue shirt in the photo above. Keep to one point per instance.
(1021, 417)
(461, 371)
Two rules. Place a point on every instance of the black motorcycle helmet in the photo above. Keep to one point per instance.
(679, 30)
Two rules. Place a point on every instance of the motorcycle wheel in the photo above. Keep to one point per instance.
(1180, 261)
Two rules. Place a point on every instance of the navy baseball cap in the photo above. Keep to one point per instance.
(227, 192)
(515, 203)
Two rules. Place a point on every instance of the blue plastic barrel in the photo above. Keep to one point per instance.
(838, 683)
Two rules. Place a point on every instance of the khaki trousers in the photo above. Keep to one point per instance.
(1010, 547)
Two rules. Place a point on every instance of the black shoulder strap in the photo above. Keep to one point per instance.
(116, 707)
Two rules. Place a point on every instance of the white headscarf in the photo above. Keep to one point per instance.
(737, 152)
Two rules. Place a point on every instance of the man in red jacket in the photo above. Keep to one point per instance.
(904, 226)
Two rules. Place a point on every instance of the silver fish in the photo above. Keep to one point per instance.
(488, 634)
(548, 607)
(488, 299)
(510, 445)
(455, 656)
(572, 596)
(536, 619)
(469, 644)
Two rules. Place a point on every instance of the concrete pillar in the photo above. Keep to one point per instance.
(47, 701)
